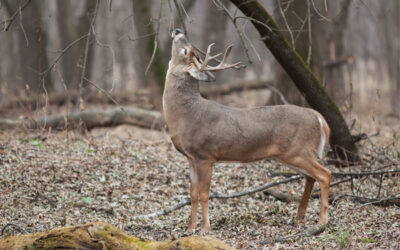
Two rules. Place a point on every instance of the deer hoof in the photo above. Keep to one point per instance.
(189, 232)
(205, 230)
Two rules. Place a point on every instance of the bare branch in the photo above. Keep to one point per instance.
(14, 16)
(104, 92)
(283, 99)
(219, 4)
(155, 43)
(286, 24)
(178, 8)
(318, 13)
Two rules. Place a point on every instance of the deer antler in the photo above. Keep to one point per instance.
(222, 65)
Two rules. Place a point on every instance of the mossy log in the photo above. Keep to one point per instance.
(101, 235)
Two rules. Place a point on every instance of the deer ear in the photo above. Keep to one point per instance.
(204, 76)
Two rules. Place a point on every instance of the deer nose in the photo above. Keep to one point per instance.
(176, 32)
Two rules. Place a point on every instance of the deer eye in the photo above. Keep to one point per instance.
(185, 52)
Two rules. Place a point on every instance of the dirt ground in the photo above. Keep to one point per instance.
(52, 179)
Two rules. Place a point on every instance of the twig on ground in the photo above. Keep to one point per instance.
(311, 231)
(14, 225)
(395, 200)
(41, 195)
(355, 174)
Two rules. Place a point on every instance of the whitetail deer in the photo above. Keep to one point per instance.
(206, 132)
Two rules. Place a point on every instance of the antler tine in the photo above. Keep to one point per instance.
(226, 54)
(222, 64)
(208, 57)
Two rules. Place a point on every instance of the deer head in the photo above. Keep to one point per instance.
(185, 59)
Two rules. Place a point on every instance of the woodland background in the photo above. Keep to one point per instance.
(352, 46)
(58, 57)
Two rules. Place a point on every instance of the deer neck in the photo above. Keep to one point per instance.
(181, 101)
(181, 91)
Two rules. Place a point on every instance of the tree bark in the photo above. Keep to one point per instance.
(31, 46)
(302, 76)
(155, 77)
(101, 235)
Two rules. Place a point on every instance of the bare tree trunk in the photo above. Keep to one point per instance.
(155, 77)
(395, 98)
(71, 29)
(304, 79)
(328, 47)
(31, 48)
(390, 14)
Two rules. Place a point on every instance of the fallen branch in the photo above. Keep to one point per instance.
(93, 118)
(218, 196)
(311, 231)
(21, 229)
(255, 190)
(282, 196)
(384, 202)
(355, 174)
(101, 235)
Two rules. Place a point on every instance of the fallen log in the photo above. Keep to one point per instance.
(139, 98)
(92, 118)
(101, 235)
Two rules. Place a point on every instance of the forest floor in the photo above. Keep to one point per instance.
(50, 179)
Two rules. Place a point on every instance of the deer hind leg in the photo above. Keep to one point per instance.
(323, 177)
(319, 173)
(305, 198)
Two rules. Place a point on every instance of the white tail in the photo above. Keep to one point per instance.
(207, 132)
(322, 142)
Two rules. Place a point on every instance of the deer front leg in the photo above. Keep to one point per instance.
(204, 172)
(305, 198)
(194, 196)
